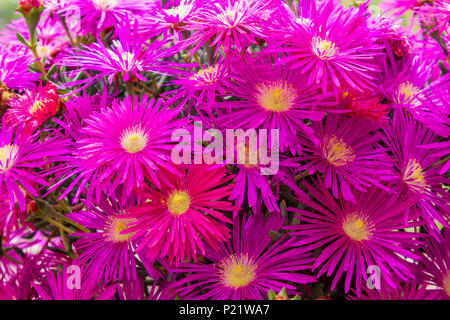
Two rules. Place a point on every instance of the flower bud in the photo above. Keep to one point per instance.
(25, 6)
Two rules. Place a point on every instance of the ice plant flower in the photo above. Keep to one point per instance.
(14, 69)
(11, 260)
(348, 153)
(354, 236)
(63, 285)
(258, 182)
(33, 108)
(182, 215)
(252, 185)
(271, 97)
(435, 107)
(51, 39)
(399, 7)
(411, 290)
(21, 154)
(11, 220)
(404, 86)
(435, 15)
(418, 170)
(79, 108)
(108, 253)
(436, 265)
(228, 23)
(128, 57)
(96, 15)
(248, 266)
(199, 88)
(172, 17)
(336, 48)
(118, 145)
(364, 106)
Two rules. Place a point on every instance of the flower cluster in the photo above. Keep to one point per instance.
(325, 161)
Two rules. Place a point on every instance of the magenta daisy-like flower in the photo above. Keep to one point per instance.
(11, 260)
(399, 7)
(248, 266)
(11, 220)
(253, 186)
(21, 155)
(199, 88)
(354, 236)
(255, 179)
(127, 58)
(335, 46)
(79, 108)
(411, 290)
(365, 106)
(256, 172)
(29, 267)
(108, 252)
(51, 39)
(14, 72)
(63, 285)
(172, 17)
(271, 97)
(436, 265)
(118, 146)
(348, 153)
(435, 106)
(418, 170)
(131, 289)
(435, 15)
(96, 15)
(34, 107)
(228, 23)
(183, 214)
(403, 87)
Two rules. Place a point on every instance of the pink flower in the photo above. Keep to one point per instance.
(183, 214)
(33, 108)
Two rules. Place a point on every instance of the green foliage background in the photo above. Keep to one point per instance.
(7, 8)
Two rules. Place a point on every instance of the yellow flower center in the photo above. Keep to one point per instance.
(237, 272)
(229, 18)
(114, 227)
(37, 107)
(105, 5)
(324, 49)
(206, 76)
(276, 96)
(337, 152)
(180, 11)
(414, 176)
(355, 228)
(178, 202)
(8, 155)
(133, 139)
(408, 91)
(446, 283)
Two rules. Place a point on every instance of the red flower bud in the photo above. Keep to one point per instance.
(26, 5)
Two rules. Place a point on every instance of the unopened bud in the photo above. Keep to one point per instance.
(25, 6)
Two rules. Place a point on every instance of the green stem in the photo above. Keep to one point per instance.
(58, 225)
(66, 29)
(130, 90)
(38, 60)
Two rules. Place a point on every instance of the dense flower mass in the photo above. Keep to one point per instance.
(225, 150)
